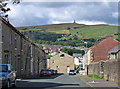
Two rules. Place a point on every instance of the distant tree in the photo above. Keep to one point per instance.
(70, 38)
(71, 51)
(68, 28)
(118, 40)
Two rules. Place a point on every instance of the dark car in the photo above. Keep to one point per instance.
(55, 71)
(52, 71)
(72, 72)
(7, 76)
(45, 72)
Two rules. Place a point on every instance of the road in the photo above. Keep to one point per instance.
(62, 80)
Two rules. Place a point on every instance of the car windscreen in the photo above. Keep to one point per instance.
(3, 68)
(71, 70)
(44, 70)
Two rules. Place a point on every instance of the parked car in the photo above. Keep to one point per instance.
(72, 72)
(56, 72)
(77, 71)
(52, 71)
(7, 76)
(45, 72)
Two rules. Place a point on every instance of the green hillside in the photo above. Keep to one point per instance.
(71, 34)
(81, 30)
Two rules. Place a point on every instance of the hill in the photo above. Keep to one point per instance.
(69, 33)
(81, 30)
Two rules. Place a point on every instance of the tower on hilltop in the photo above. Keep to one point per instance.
(74, 21)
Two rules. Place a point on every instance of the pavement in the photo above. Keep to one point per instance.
(98, 83)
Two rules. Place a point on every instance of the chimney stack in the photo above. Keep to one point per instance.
(106, 37)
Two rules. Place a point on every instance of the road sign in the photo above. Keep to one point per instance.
(93, 55)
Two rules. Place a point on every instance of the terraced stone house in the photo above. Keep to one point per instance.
(15, 49)
(61, 62)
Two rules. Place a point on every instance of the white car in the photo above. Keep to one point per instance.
(72, 72)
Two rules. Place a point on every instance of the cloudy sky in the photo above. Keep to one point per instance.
(41, 13)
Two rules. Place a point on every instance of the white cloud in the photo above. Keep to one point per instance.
(90, 22)
(115, 14)
(60, 15)
(106, 3)
(47, 13)
(58, 22)
(81, 22)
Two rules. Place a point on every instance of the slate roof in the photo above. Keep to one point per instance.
(115, 49)
(101, 49)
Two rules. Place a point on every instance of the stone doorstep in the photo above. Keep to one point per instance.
(98, 82)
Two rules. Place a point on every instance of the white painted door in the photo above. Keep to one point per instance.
(68, 69)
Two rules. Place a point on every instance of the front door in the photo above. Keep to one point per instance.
(68, 69)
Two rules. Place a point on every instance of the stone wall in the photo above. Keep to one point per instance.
(107, 70)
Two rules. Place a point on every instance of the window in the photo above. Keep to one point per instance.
(6, 57)
(3, 68)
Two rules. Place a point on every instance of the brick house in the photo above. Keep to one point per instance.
(61, 62)
(109, 69)
(101, 49)
(15, 49)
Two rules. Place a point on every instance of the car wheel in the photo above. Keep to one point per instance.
(40, 75)
(14, 85)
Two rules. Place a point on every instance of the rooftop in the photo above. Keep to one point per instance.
(114, 50)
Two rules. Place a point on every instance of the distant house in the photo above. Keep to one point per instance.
(101, 49)
(114, 53)
(86, 59)
(51, 49)
(61, 62)
(77, 59)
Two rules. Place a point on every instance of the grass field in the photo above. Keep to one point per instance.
(82, 31)
(95, 32)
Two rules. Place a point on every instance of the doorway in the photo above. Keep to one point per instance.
(68, 69)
